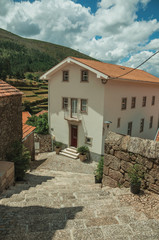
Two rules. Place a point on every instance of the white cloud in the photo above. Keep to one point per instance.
(67, 23)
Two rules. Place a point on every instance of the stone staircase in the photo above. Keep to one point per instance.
(63, 205)
(70, 152)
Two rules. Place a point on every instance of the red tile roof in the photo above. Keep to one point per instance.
(157, 136)
(7, 90)
(26, 128)
(41, 113)
(114, 71)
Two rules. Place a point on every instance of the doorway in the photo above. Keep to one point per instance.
(74, 133)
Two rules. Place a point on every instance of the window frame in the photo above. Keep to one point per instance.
(153, 100)
(82, 75)
(142, 125)
(144, 100)
(63, 79)
(63, 103)
(86, 111)
(129, 131)
(88, 142)
(133, 102)
(124, 103)
(118, 122)
(151, 122)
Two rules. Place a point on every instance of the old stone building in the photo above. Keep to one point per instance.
(10, 117)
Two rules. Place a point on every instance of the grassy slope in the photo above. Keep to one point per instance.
(55, 51)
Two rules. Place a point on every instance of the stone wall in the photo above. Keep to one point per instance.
(29, 144)
(6, 174)
(43, 143)
(10, 122)
(122, 152)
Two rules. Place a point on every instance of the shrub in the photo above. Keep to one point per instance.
(58, 144)
(40, 122)
(21, 158)
(99, 171)
(136, 174)
(83, 150)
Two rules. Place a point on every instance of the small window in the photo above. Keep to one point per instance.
(151, 122)
(84, 105)
(65, 103)
(129, 128)
(65, 76)
(142, 125)
(153, 100)
(84, 76)
(88, 140)
(123, 103)
(118, 123)
(144, 101)
(133, 102)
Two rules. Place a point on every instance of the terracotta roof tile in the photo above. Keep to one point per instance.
(26, 129)
(114, 71)
(41, 113)
(7, 90)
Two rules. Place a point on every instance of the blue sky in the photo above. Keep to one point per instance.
(116, 31)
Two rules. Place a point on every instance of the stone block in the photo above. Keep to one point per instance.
(149, 178)
(126, 184)
(149, 150)
(105, 170)
(155, 172)
(112, 162)
(116, 175)
(157, 150)
(122, 155)
(126, 166)
(124, 143)
(107, 181)
(134, 145)
(113, 138)
(112, 151)
(154, 188)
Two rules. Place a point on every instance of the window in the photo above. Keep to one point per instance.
(84, 105)
(123, 103)
(153, 100)
(133, 102)
(144, 101)
(129, 128)
(151, 122)
(88, 140)
(65, 76)
(65, 103)
(142, 125)
(118, 123)
(84, 76)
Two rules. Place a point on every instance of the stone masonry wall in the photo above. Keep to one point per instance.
(29, 144)
(6, 174)
(43, 143)
(122, 152)
(10, 122)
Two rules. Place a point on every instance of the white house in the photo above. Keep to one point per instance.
(85, 94)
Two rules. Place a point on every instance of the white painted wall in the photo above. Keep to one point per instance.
(115, 90)
(92, 123)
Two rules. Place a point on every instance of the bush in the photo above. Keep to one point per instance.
(41, 123)
(136, 174)
(83, 150)
(99, 171)
(58, 144)
(21, 158)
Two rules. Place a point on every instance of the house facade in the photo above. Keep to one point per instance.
(85, 95)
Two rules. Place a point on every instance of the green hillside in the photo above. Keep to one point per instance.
(20, 55)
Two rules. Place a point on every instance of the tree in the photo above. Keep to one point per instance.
(41, 123)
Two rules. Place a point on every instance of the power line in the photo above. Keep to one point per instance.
(138, 65)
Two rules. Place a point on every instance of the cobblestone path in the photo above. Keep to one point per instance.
(60, 201)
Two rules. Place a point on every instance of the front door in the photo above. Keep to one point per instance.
(74, 135)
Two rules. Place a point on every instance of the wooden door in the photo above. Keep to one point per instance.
(74, 135)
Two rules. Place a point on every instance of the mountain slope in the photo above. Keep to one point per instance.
(19, 55)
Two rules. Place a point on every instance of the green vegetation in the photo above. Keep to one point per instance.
(83, 150)
(20, 55)
(99, 171)
(40, 122)
(136, 174)
(21, 158)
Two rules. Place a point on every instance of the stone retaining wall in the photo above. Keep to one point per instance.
(122, 152)
(6, 174)
(43, 143)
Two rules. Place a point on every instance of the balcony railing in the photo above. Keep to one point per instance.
(69, 115)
